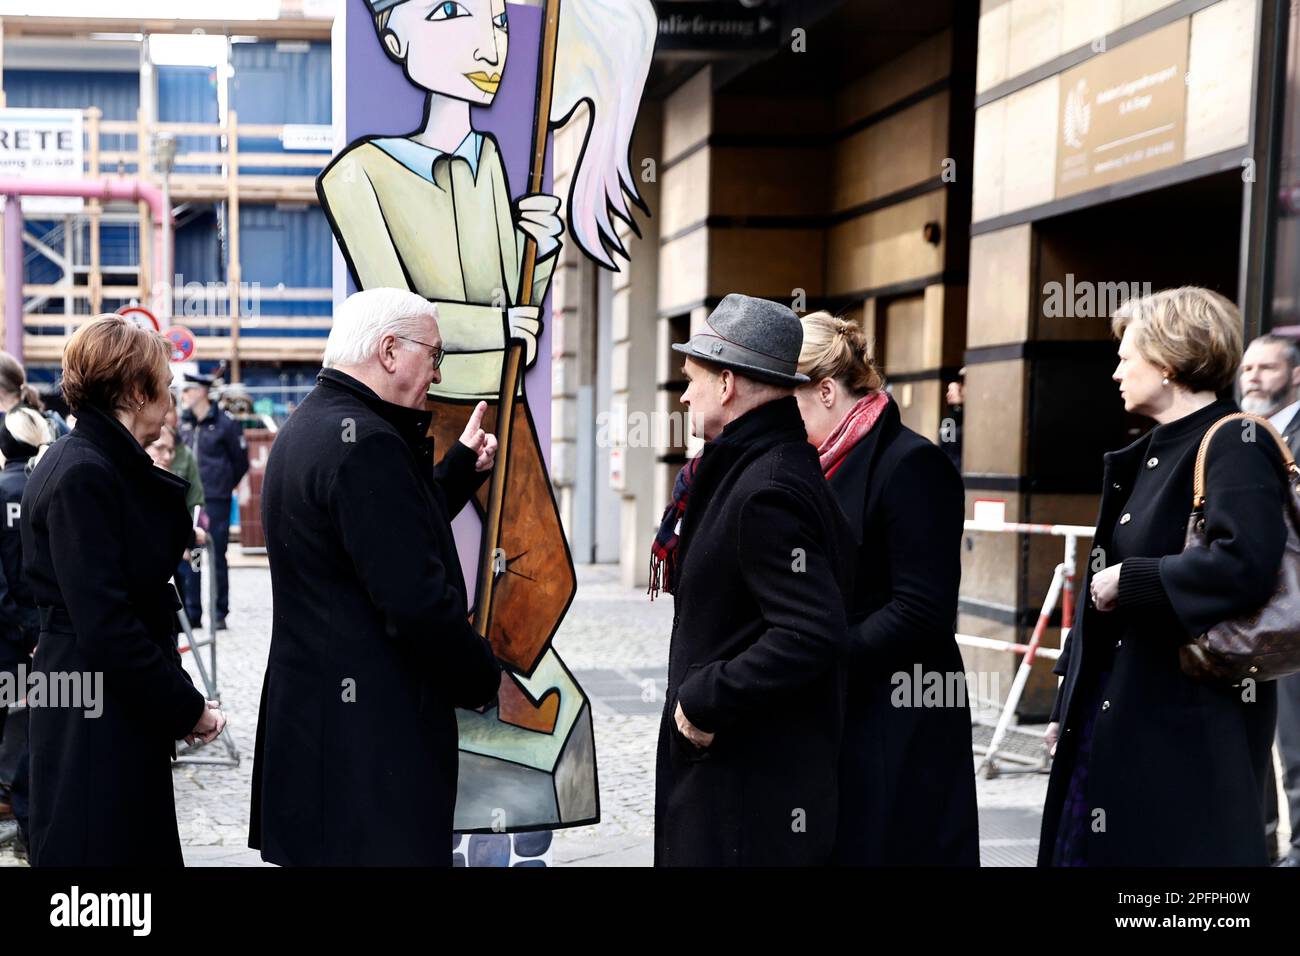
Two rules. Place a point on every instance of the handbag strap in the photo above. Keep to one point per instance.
(1198, 482)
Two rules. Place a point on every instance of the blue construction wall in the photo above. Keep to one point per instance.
(287, 246)
(116, 94)
(188, 94)
(198, 255)
(280, 83)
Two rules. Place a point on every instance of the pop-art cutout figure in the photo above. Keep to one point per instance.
(433, 212)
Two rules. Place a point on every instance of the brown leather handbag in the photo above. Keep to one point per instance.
(1265, 644)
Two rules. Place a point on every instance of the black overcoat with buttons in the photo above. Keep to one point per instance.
(1176, 768)
(756, 655)
(102, 531)
(371, 647)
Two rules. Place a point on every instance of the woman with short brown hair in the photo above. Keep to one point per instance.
(1154, 767)
(103, 530)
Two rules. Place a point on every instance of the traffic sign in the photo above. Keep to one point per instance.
(182, 342)
(141, 317)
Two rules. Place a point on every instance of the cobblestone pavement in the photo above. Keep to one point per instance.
(616, 643)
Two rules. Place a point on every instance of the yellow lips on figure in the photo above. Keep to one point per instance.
(486, 83)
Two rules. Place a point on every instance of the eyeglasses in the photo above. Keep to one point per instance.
(435, 353)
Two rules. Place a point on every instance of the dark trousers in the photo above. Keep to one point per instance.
(1288, 745)
(218, 511)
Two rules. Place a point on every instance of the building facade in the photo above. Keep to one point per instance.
(828, 170)
(1121, 146)
(978, 185)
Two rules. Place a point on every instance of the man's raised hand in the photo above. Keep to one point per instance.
(483, 445)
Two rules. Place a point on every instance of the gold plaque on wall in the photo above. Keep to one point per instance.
(1122, 114)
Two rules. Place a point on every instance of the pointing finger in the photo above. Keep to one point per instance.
(476, 417)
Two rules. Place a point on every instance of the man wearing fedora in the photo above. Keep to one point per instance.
(759, 567)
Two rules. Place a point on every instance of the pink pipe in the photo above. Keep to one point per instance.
(115, 188)
(105, 189)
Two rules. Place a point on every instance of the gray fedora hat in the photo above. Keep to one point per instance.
(759, 338)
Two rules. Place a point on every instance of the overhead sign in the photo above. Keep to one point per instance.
(140, 316)
(182, 341)
(711, 26)
(1123, 113)
(43, 145)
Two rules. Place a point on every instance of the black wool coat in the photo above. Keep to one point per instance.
(1176, 765)
(907, 781)
(103, 531)
(18, 621)
(371, 645)
(764, 564)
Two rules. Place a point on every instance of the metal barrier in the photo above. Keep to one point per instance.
(207, 670)
(1060, 590)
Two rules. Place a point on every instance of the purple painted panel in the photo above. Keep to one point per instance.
(376, 99)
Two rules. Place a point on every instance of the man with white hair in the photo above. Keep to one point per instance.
(371, 645)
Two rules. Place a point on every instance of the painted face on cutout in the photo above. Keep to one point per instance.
(455, 48)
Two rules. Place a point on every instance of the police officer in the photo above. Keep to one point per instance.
(23, 432)
(218, 442)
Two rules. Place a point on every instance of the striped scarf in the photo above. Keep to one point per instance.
(663, 552)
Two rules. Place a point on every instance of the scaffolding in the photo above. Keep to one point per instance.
(220, 165)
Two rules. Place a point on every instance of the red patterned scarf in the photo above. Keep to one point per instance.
(663, 550)
(860, 419)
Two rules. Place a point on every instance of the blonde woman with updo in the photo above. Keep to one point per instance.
(907, 786)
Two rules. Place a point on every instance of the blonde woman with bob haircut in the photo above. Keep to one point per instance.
(1176, 765)
(102, 533)
(907, 789)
